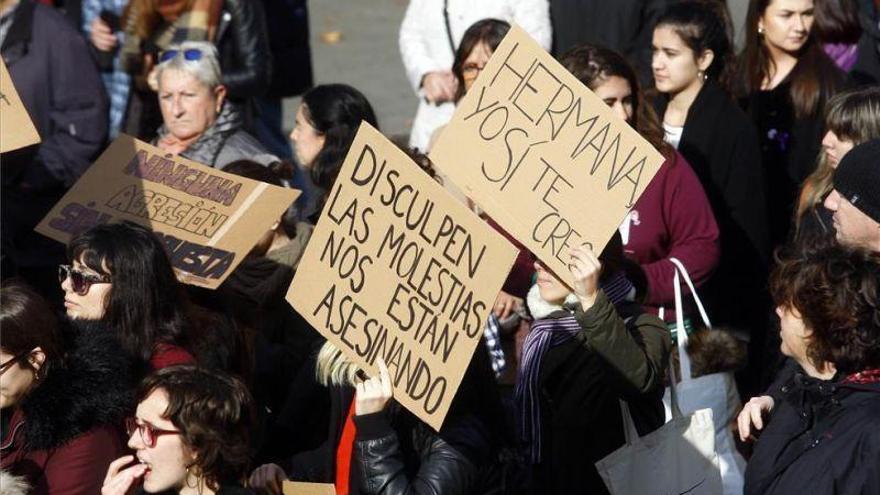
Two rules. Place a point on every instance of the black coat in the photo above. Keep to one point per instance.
(53, 72)
(395, 453)
(625, 26)
(582, 382)
(243, 45)
(823, 437)
(789, 145)
(721, 144)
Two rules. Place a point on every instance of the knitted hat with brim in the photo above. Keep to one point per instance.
(857, 178)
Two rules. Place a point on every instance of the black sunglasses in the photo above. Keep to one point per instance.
(81, 282)
(8, 364)
(190, 55)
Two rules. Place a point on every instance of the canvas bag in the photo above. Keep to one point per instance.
(677, 458)
(716, 391)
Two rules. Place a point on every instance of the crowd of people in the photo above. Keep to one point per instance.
(116, 378)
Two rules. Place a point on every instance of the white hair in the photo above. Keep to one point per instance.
(206, 69)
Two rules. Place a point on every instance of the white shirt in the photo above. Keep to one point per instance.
(672, 134)
(424, 45)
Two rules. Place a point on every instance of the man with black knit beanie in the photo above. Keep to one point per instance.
(855, 199)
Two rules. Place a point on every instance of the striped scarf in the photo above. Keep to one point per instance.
(545, 334)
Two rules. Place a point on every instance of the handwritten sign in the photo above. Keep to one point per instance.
(208, 220)
(543, 155)
(301, 488)
(398, 268)
(16, 127)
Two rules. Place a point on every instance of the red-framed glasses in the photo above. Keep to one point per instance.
(149, 433)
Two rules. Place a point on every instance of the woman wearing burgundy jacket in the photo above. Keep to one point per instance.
(62, 409)
(672, 218)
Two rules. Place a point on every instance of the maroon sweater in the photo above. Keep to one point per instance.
(672, 219)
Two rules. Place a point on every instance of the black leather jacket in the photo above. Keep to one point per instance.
(243, 44)
(411, 458)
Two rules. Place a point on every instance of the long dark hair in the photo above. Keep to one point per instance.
(146, 305)
(593, 65)
(336, 112)
(488, 31)
(704, 25)
(837, 21)
(813, 78)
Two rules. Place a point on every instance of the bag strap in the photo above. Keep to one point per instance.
(684, 360)
(448, 27)
(630, 433)
(687, 278)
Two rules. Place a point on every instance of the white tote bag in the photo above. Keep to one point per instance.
(716, 391)
(678, 458)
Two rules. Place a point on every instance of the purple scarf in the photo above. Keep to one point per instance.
(545, 334)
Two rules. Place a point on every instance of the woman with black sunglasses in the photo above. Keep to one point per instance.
(120, 277)
(60, 404)
(190, 434)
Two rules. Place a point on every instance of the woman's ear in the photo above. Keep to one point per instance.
(219, 97)
(36, 358)
(705, 60)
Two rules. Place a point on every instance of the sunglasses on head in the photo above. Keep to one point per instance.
(190, 55)
(80, 281)
(149, 433)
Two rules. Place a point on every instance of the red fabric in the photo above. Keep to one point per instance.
(864, 377)
(75, 468)
(343, 452)
(167, 355)
(673, 218)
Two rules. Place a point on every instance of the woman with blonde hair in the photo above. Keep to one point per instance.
(375, 446)
(851, 118)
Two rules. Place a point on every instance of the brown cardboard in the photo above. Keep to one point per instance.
(16, 127)
(418, 296)
(542, 155)
(302, 488)
(209, 220)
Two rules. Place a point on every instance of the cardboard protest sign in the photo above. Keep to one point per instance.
(542, 155)
(208, 220)
(301, 488)
(398, 268)
(16, 127)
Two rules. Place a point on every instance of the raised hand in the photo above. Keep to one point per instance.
(585, 268)
(374, 393)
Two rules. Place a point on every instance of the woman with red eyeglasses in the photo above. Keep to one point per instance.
(60, 404)
(190, 435)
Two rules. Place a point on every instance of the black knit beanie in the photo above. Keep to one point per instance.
(857, 178)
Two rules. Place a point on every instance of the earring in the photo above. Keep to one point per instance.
(761, 30)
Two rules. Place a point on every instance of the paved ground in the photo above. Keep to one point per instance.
(366, 57)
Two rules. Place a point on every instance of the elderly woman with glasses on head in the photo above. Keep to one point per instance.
(190, 435)
(197, 125)
(61, 404)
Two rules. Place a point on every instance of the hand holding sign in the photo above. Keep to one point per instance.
(373, 394)
(585, 269)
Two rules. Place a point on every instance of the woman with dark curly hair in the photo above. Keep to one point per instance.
(190, 434)
(824, 435)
